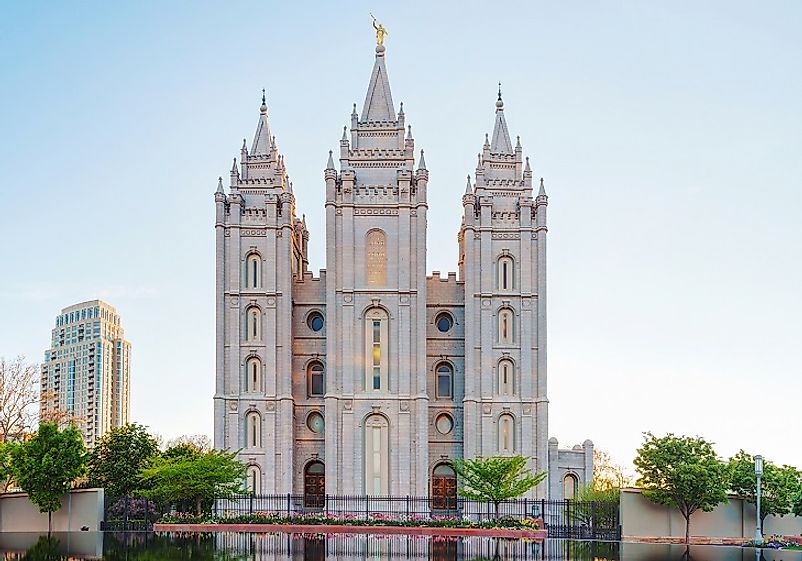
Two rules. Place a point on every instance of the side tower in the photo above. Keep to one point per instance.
(376, 400)
(258, 250)
(503, 263)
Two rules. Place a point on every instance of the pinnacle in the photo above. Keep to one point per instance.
(422, 164)
(330, 164)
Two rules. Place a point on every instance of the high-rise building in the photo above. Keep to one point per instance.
(86, 373)
(370, 378)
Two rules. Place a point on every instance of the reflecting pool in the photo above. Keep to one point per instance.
(321, 547)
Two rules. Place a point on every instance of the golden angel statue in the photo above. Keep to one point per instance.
(381, 32)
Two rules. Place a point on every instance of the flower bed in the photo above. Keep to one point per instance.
(346, 523)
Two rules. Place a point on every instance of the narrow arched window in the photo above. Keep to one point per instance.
(570, 484)
(376, 328)
(505, 326)
(376, 247)
(444, 381)
(316, 379)
(253, 430)
(253, 271)
(377, 471)
(506, 375)
(506, 273)
(253, 328)
(253, 480)
(253, 375)
(506, 434)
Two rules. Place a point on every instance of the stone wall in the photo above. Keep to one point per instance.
(733, 519)
(79, 508)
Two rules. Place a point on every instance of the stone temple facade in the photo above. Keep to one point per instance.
(369, 378)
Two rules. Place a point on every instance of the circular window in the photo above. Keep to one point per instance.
(315, 422)
(444, 322)
(444, 423)
(315, 321)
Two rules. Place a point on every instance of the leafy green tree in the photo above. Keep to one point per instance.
(118, 458)
(598, 506)
(197, 479)
(5, 466)
(495, 479)
(778, 485)
(182, 450)
(681, 472)
(46, 465)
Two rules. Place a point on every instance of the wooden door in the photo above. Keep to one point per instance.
(444, 488)
(315, 485)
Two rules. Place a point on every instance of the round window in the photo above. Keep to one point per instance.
(315, 422)
(444, 322)
(444, 423)
(315, 321)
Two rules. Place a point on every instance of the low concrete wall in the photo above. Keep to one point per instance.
(732, 519)
(79, 508)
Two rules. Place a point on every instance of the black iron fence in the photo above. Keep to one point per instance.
(562, 519)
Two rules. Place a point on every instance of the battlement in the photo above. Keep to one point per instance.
(309, 276)
(436, 276)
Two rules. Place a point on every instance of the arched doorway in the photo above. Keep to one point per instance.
(444, 488)
(315, 485)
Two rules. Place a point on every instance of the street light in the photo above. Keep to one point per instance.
(758, 475)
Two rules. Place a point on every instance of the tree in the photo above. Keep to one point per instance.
(118, 458)
(495, 479)
(5, 466)
(598, 507)
(779, 485)
(606, 474)
(195, 479)
(199, 442)
(46, 465)
(681, 472)
(18, 396)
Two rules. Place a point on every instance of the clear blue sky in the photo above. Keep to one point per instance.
(669, 135)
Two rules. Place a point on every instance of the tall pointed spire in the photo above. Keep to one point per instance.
(542, 191)
(422, 163)
(379, 101)
(262, 138)
(330, 164)
(501, 143)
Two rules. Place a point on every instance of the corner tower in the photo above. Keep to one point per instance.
(376, 399)
(503, 263)
(260, 246)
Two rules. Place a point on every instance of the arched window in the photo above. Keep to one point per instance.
(377, 473)
(506, 273)
(253, 480)
(444, 380)
(505, 327)
(506, 377)
(253, 324)
(506, 434)
(376, 328)
(253, 271)
(315, 380)
(570, 484)
(376, 258)
(253, 430)
(253, 375)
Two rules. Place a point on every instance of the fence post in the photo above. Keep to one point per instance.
(250, 505)
(593, 519)
(288, 505)
(543, 512)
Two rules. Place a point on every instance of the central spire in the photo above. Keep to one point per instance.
(501, 136)
(262, 138)
(379, 101)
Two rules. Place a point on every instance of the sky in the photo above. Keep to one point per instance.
(669, 135)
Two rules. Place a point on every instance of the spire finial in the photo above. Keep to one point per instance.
(244, 144)
(345, 128)
(422, 164)
(330, 164)
(542, 191)
(518, 141)
(220, 184)
(234, 165)
(499, 102)
(354, 110)
(468, 187)
(401, 109)
(527, 168)
(409, 132)
(263, 108)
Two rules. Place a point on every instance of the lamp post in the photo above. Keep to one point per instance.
(758, 475)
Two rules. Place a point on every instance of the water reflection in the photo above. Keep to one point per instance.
(274, 547)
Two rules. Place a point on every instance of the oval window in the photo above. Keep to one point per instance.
(315, 321)
(315, 422)
(444, 322)
(444, 423)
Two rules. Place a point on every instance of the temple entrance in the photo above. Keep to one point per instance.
(315, 485)
(444, 488)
